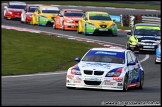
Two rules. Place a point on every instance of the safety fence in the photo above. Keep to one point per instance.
(131, 20)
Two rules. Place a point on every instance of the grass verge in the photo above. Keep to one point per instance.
(24, 53)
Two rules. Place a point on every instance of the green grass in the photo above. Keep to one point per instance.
(103, 3)
(24, 53)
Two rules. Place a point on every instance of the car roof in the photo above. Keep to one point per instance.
(34, 4)
(110, 49)
(16, 3)
(146, 24)
(55, 8)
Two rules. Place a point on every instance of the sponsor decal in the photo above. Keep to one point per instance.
(78, 78)
(77, 81)
(108, 82)
(104, 52)
(93, 79)
(70, 76)
(97, 65)
(118, 79)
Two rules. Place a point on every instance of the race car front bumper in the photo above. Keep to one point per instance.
(142, 47)
(70, 26)
(13, 16)
(101, 31)
(107, 83)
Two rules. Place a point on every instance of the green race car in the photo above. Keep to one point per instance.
(44, 15)
(97, 23)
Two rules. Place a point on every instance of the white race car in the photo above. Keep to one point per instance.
(28, 12)
(14, 9)
(106, 68)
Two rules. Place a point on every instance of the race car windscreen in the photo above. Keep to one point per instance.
(100, 17)
(50, 11)
(147, 32)
(79, 14)
(105, 57)
(32, 9)
(17, 6)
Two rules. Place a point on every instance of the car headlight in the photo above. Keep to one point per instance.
(113, 25)
(140, 43)
(114, 73)
(76, 72)
(92, 25)
(69, 21)
(9, 12)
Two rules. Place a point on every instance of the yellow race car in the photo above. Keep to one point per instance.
(97, 23)
(44, 15)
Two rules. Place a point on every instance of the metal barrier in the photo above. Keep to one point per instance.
(153, 20)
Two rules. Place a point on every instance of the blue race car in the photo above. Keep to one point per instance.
(158, 54)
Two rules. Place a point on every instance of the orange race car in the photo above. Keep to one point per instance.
(68, 19)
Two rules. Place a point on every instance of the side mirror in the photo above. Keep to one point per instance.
(77, 59)
(60, 15)
(128, 33)
(5, 7)
(132, 63)
(114, 20)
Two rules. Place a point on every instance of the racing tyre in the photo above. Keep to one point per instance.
(125, 84)
(141, 81)
(114, 34)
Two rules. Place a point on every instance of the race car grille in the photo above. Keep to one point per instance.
(103, 26)
(92, 82)
(88, 72)
(98, 72)
(17, 13)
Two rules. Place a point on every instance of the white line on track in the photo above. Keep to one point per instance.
(86, 39)
(29, 75)
(144, 59)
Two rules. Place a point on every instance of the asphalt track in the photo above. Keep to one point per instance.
(49, 89)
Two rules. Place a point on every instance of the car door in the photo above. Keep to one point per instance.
(130, 68)
(84, 22)
(136, 70)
